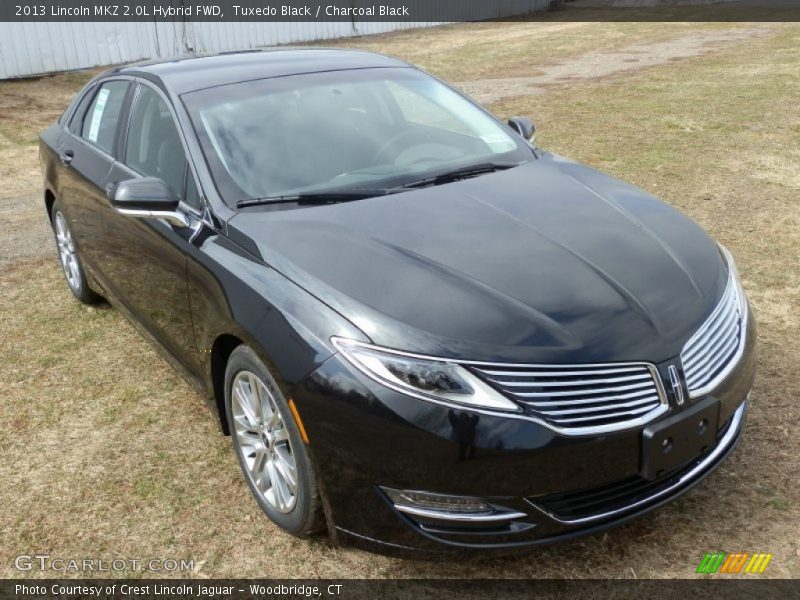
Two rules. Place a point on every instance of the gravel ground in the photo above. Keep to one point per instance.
(596, 65)
(24, 229)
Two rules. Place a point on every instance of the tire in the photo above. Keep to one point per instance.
(69, 258)
(266, 446)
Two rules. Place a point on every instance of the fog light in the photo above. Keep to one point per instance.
(404, 499)
(430, 509)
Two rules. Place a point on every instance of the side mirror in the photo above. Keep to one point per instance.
(524, 127)
(147, 198)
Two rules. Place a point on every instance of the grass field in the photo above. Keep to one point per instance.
(108, 453)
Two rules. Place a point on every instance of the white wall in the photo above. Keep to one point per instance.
(34, 48)
(39, 47)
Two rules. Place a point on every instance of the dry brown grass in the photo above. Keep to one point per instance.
(499, 50)
(107, 452)
(27, 106)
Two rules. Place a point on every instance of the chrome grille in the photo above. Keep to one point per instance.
(714, 349)
(582, 399)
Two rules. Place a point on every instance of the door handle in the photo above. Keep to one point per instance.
(67, 156)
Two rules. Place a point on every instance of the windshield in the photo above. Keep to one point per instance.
(354, 130)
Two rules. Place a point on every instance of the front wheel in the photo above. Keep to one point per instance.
(268, 444)
(69, 259)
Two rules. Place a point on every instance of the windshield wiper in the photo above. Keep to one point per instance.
(358, 194)
(460, 173)
(314, 197)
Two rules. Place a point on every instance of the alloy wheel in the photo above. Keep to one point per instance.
(66, 252)
(264, 443)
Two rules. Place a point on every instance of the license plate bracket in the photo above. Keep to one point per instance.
(678, 439)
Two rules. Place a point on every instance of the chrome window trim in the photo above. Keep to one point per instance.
(724, 443)
(71, 113)
(95, 89)
(339, 344)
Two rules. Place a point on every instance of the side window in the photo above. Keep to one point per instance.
(99, 125)
(192, 195)
(153, 146)
(76, 123)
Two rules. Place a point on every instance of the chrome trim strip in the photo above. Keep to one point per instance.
(734, 295)
(645, 385)
(173, 217)
(725, 331)
(611, 428)
(640, 377)
(633, 412)
(715, 360)
(639, 395)
(635, 405)
(722, 445)
(341, 345)
(459, 517)
(557, 373)
(719, 311)
(630, 404)
(732, 364)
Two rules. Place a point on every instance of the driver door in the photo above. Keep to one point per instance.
(147, 258)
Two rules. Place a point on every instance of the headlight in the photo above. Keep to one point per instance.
(431, 379)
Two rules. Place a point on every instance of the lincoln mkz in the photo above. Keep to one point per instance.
(421, 331)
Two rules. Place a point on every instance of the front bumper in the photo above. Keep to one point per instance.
(364, 436)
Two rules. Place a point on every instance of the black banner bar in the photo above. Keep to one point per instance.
(391, 10)
(412, 589)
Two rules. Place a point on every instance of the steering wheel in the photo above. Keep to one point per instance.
(389, 150)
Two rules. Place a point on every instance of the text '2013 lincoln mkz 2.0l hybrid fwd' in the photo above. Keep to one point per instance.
(419, 329)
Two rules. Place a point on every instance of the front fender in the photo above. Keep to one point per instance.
(233, 293)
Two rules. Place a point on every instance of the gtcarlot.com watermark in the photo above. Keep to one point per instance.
(47, 563)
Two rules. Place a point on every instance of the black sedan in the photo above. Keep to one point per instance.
(421, 331)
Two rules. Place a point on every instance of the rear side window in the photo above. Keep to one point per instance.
(100, 121)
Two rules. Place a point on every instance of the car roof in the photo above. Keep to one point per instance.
(188, 73)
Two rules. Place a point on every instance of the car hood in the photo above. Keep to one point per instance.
(547, 262)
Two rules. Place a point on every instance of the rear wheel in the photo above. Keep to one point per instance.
(268, 444)
(70, 260)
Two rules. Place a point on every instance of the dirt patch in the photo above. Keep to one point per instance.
(596, 65)
(24, 229)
